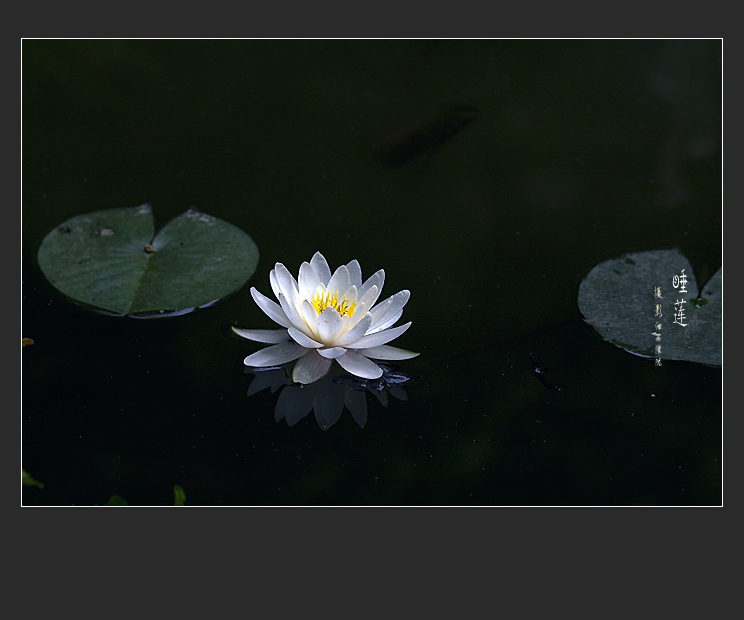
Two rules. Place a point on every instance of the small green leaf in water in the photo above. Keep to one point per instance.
(179, 495)
(27, 480)
(116, 500)
(616, 299)
(110, 260)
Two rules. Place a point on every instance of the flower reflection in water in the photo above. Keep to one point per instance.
(329, 395)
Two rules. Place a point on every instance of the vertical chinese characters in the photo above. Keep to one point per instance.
(657, 327)
(680, 282)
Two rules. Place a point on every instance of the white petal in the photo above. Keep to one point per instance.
(355, 273)
(272, 336)
(339, 281)
(321, 267)
(271, 308)
(387, 312)
(329, 326)
(332, 353)
(359, 313)
(291, 312)
(355, 333)
(307, 281)
(376, 279)
(303, 339)
(359, 365)
(310, 367)
(387, 324)
(274, 283)
(383, 337)
(350, 294)
(369, 297)
(386, 352)
(275, 354)
(287, 284)
(310, 318)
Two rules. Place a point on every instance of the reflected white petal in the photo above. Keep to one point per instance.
(310, 367)
(275, 354)
(386, 352)
(359, 365)
(293, 404)
(383, 337)
(271, 308)
(272, 378)
(356, 402)
(328, 403)
(271, 336)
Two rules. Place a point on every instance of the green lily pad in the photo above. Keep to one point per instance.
(617, 299)
(110, 260)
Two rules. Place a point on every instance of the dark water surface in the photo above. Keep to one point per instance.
(487, 177)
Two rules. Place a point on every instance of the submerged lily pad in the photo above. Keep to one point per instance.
(617, 299)
(110, 260)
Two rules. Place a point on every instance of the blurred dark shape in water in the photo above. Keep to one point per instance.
(328, 396)
(424, 135)
(684, 77)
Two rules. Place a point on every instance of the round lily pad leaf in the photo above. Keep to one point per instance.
(637, 302)
(110, 260)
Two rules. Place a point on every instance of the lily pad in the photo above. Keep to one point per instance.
(617, 298)
(110, 260)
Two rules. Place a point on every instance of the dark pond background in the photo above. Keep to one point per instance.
(575, 152)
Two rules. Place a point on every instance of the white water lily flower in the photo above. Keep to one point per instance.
(326, 317)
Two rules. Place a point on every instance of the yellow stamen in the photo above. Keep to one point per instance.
(321, 301)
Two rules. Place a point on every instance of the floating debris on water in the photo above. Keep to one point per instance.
(541, 374)
(425, 134)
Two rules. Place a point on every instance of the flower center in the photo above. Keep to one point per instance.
(321, 301)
